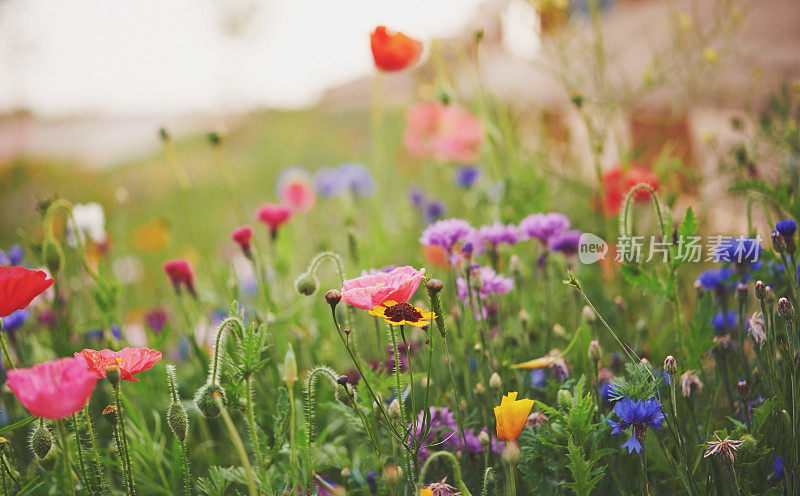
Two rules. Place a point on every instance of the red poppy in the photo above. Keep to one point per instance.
(617, 184)
(274, 216)
(19, 286)
(243, 237)
(130, 361)
(393, 51)
(180, 274)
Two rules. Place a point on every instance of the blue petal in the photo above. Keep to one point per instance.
(632, 444)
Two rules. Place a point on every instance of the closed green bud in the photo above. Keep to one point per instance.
(595, 352)
(564, 398)
(112, 375)
(41, 441)
(204, 399)
(289, 366)
(670, 365)
(306, 284)
(53, 255)
(178, 420)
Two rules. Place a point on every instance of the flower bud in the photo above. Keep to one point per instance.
(564, 398)
(53, 255)
(178, 420)
(495, 382)
(289, 366)
(670, 365)
(333, 297)
(690, 383)
(524, 317)
(112, 375)
(204, 399)
(761, 290)
(619, 302)
(484, 439)
(306, 284)
(741, 292)
(343, 380)
(512, 454)
(777, 242)
(559, 331)
(345, 473)
(742, 387)
(110, 414)
(588, 314)
(480, 388)
(41, 441)
(434, 285)
(595, 352)
(394, 410)
(770, 295)
(785, 309)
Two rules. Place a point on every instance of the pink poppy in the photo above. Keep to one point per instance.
(130, 361)
(371, 290)
(447, 133)
(243, 236)
(53, 390)
(296, 190)
(274, 216)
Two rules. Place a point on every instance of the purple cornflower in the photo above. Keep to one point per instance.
(446, 233)
(156, 319)
(433, 210)
(719, 280)
(786, 227)
(116, 332)
(544, 226)
(441, 431)
(15, 320)
(416, 195)
(724, 322)
(466, 176)
(357, 178)
(738, 250)
(327, 181)
(13, 256)
(640, 415)
(491, 283)
(495, 234)
(566, 242)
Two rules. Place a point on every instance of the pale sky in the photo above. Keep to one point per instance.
(137, 57)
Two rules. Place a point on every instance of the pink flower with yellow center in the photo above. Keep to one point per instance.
(130, 361)
(368, 291)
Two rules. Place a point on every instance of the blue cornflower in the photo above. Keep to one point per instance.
(724, 322)
(116, 332)
(608, 392)
(15, 320)
(640, 415)
(357, 178)
(433, 210)
(327, 181)
(13, 256)
(786, 227)
(537, 378)
(717, 279)
(416, 195)
(466, 176)
(738, 250)
(777, 468)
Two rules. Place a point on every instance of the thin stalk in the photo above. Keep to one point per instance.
(6, 355)
(126, 461)
(644, 485)
(292, 440)
(7, 469)
(62, 431)
(399, 389)
(512, 481)
(98, 464)
(238, 444)
(187, 483)
(80, 453)
(251, 422)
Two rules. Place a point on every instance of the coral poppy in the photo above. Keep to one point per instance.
(393, 51)
(53, 390)
(274, 216)
(447, 133)
(180, 274)
(130, 361)
(617, 184)
(19, 286)
(511, 416)
(402, 313)
(369, 291)
(243, 236)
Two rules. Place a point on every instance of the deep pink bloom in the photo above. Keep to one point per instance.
(243, 236)
(19, 286)
(371, 290)
(180, 274)
(55, 389)
(447, 133)
(130, 361)
(296, 189)
(274, 216)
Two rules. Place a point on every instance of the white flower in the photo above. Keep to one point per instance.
(89, 221)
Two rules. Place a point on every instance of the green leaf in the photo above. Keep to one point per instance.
(762, 413)
(688, 227)
(17, 425)
(647, 282)
(700, 334)
(581, 470)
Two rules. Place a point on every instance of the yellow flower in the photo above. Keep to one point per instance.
(402, 313)
(426, 491)
(511, 416)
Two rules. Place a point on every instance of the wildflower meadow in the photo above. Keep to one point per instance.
(430, 299)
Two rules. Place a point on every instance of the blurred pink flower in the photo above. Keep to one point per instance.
(296, 189)
(274, 216)
(447, 133)
(53, 390)
(368, 291)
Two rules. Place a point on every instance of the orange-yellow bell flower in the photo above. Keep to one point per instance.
(511, 416)
(536, 363)
(426, 491)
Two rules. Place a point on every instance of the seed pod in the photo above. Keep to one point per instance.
(178, 420)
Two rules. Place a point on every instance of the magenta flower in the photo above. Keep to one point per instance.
(446, 233)
(53, 390)
(369, 291)
(493, 235)
(544, 226)
(492, 283)
(274, 216)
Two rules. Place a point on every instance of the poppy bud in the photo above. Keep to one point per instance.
(306, 284)
(178, 420)
(204, 399)
(619, 302)
(670, 365)
(343, 380)
(41, 441)
(595, 352)
(524, 317)
(512, 454)
(785, 309)
(777, 242)
(480, 388)
(53, 255)
(761, 290)
(495, 382)
(333, 297)
(434, 285)
(112, 375)
(110, 414)
(289, 366)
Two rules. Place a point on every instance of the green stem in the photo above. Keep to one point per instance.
(7, 469)
(62, 431)
(251, 422)
(644, 486)
(126, 461)
(187, 483)
(292, 440)
(80, 453)
(399, 389)
(98, 464)
(6, 354)
(239, 445)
